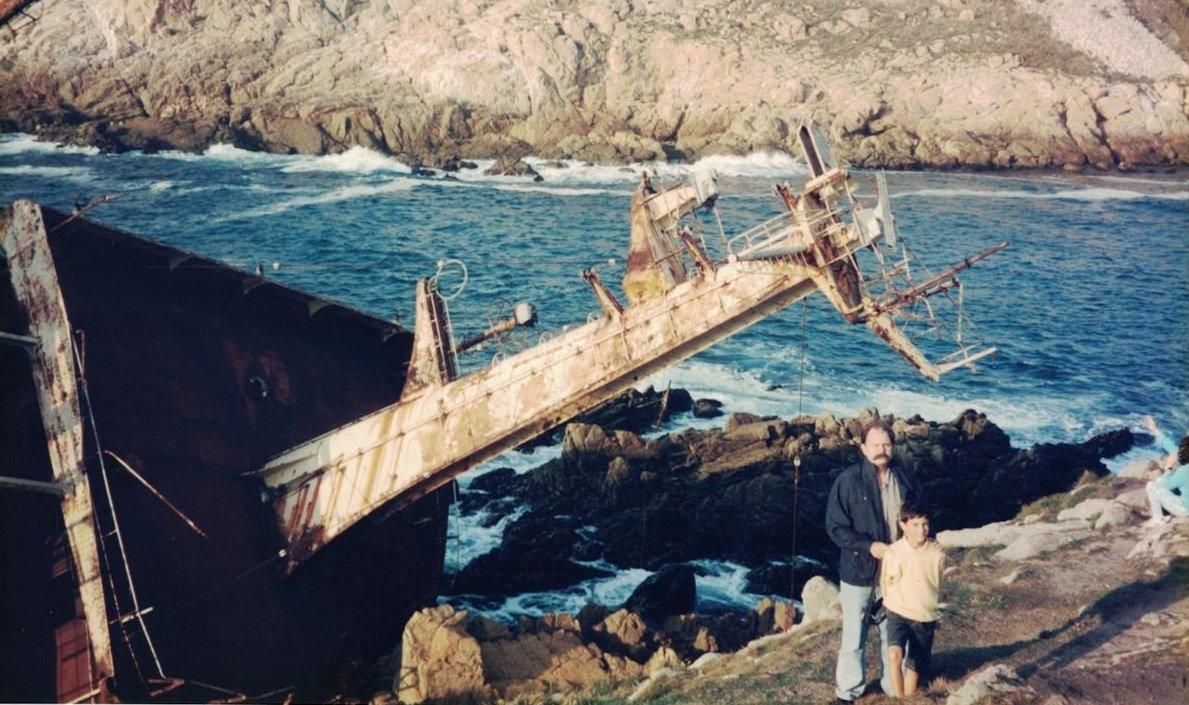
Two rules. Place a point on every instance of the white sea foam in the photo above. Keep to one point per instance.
(225, 153)
(723, 587)
(515, 184)
(719, 588)
(75, 174)
(343, 193)
(161, 185)
(612, 590)
(19, 143)
(1082, 194)
(756, 165)
(470, 538)
(1171, 181)
(1026, 419)
(356, 160)
(518, 461)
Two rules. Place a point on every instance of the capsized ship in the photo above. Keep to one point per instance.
(217, 487)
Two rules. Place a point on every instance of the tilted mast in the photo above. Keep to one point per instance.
(444, 425)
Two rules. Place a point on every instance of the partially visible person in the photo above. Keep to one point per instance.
(910, 579)
(1169, 492)
(862, 518)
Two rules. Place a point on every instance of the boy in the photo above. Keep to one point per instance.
(910, 580)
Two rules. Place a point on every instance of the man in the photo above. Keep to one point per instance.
(862, 518)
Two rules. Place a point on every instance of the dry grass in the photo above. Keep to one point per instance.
(1061, 615)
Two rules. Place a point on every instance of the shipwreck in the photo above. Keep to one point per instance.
(216, 487)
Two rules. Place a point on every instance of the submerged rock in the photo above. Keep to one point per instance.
(669, 591)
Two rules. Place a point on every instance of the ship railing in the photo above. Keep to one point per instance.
(781, 235)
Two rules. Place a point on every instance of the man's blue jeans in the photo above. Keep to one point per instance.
(850, 676)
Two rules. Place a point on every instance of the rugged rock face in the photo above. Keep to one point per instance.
(446, 655)
(727, 494)
(898, 82)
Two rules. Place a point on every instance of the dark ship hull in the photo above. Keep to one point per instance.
(197, 373)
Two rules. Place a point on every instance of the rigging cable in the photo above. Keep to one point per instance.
(136, 611)
(797, 457)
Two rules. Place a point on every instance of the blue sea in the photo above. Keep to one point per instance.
(1089, 306)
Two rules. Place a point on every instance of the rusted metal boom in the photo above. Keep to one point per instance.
(942, 282)
(442, 426)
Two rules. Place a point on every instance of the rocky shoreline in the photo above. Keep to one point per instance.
(994, 502)
(898, 84)
(727, 494)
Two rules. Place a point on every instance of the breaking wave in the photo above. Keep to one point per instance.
(1027, 419)
(344, 193)
(356, 160)
(75, 174)
(719, 584)
(20, 143)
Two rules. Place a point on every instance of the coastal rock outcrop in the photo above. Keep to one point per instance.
(1003, 84)
(446, 654)
(727, 494)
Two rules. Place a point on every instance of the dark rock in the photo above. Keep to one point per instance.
(670, 591)
(509, 166)
(497, 481)
(776, 578)
(1110, 444)
(631, 411)
(707, 408)
(722, 495)
(464, 164)
(533, 557)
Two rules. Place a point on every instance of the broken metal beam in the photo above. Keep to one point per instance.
(58, 489)
(23, 341)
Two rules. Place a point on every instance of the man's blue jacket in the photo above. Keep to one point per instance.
(854, 517)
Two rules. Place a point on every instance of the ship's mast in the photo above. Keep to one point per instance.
(444, 425)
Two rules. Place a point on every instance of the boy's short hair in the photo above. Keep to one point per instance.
(912, 510)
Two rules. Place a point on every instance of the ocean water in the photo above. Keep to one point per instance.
(1088, 306)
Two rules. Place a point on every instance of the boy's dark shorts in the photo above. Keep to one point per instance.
(916, 638)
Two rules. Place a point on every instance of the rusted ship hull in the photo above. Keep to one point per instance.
(197, 372)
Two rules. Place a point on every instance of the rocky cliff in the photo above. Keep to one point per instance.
(898, 82)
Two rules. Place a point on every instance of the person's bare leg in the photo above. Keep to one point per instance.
(895, 664)
(911, 679)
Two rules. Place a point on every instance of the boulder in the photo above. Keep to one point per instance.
(1141, 470)
(774, 616)
(670, 591)
(623, 632)
(741, 418)
(557, 659)
(992, 683)
(1032, 545)
(663, 658)
(820, 600)
(1087, 510)
(707, 408)
(439, 659)
(1114, 514)
(511, 166)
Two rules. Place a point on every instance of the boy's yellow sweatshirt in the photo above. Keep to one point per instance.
(910, 579)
